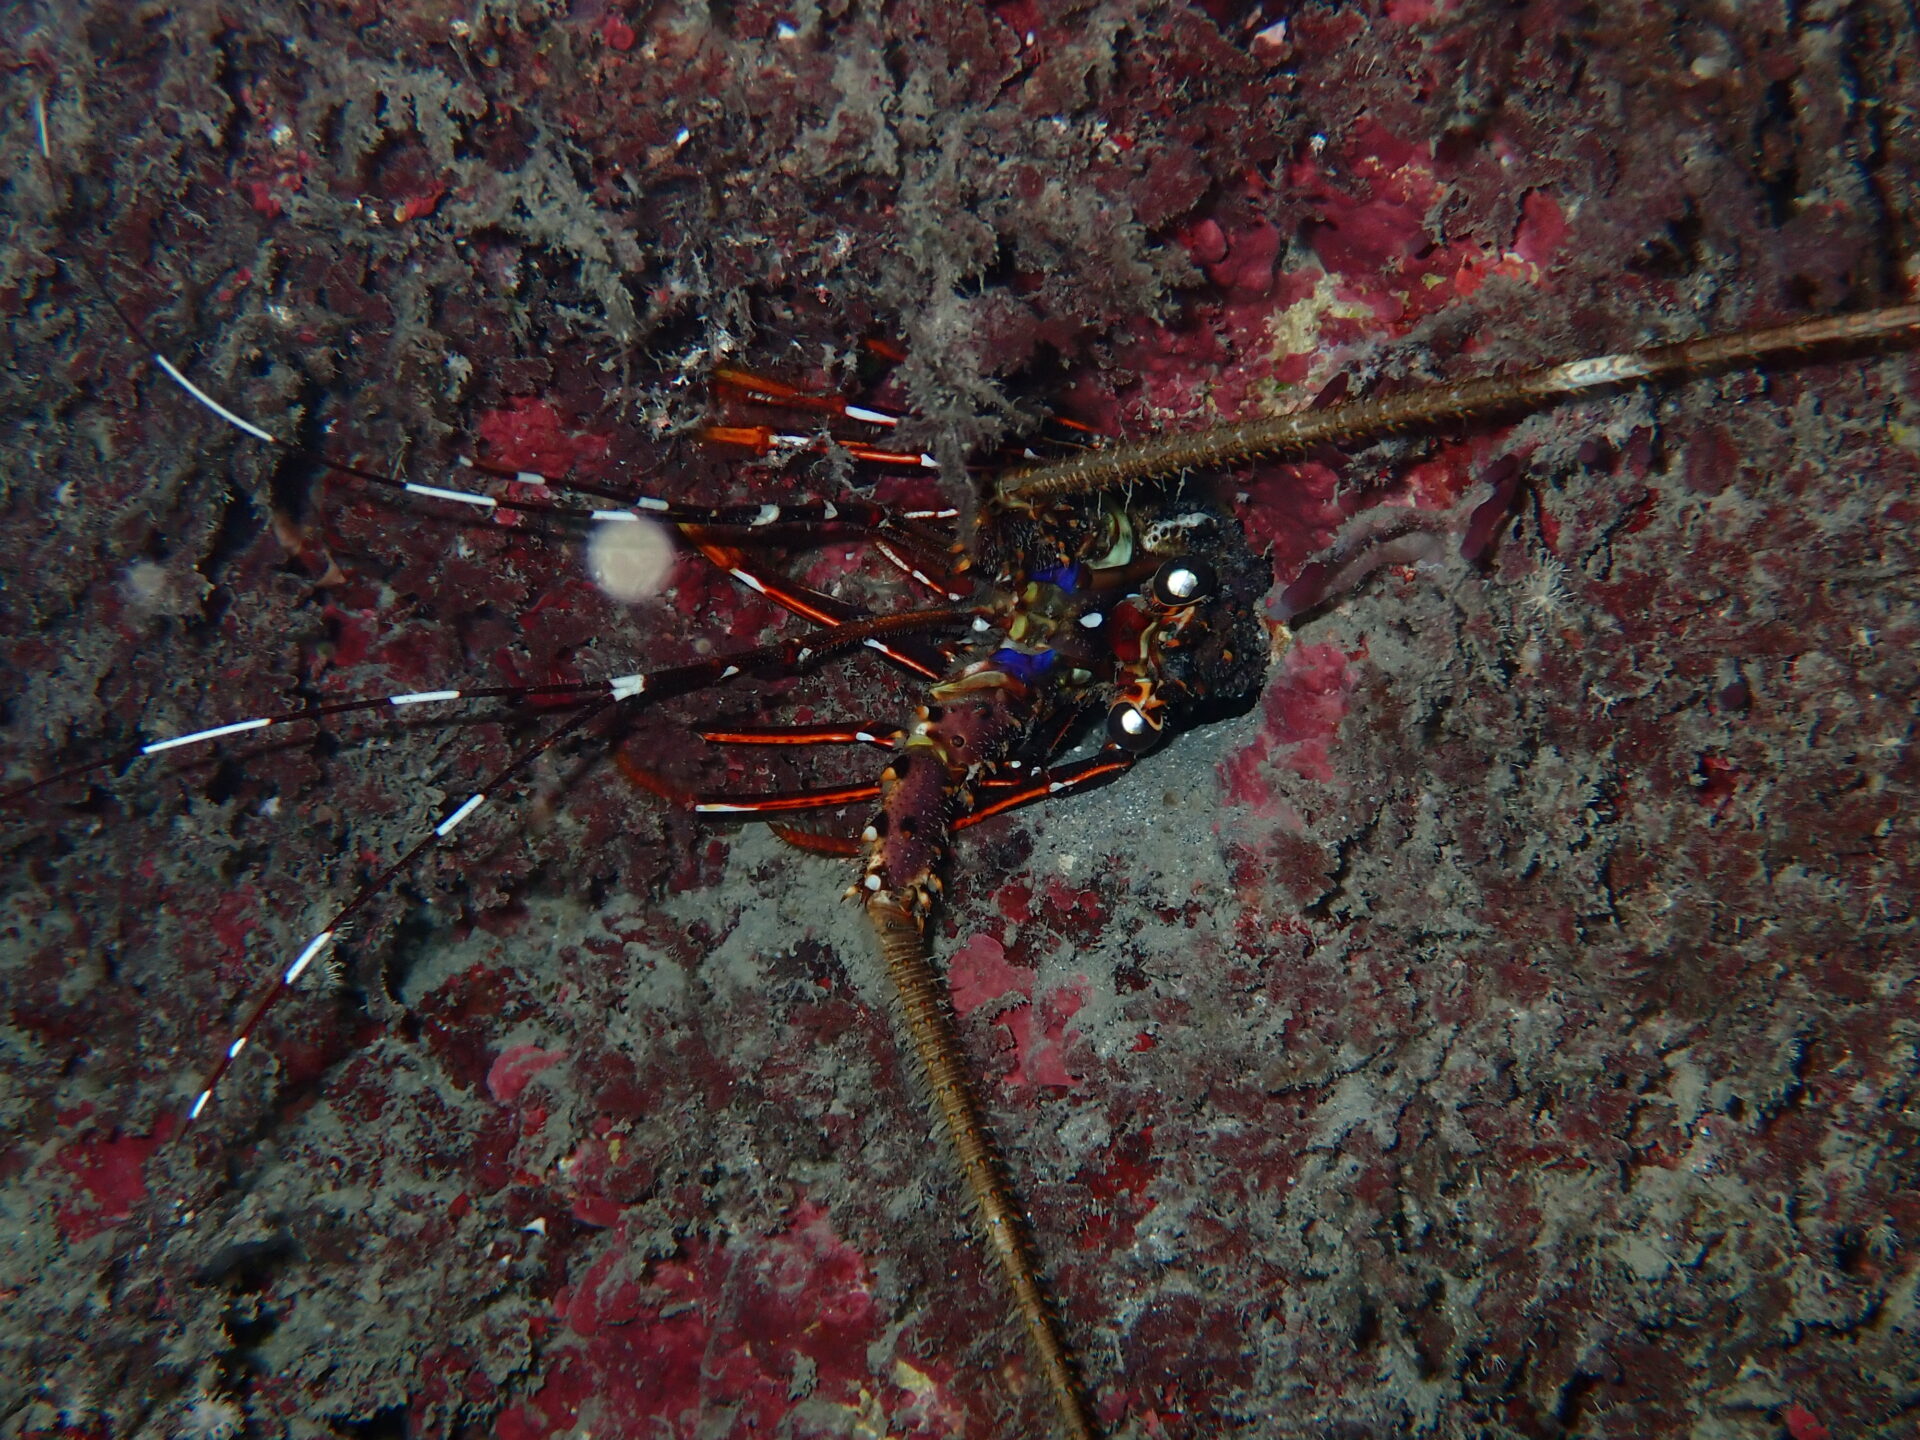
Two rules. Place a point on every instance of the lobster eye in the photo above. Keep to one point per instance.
(1129, 728)
(1184, 580)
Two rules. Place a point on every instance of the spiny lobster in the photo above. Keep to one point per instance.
(1109, 593)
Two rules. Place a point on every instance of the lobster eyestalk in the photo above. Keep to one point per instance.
(923, 1007)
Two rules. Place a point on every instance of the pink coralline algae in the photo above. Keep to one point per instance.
(663, 1344)
(107, 1178)
(1303, 707)
(978, 974)
(529, 433)
(509, 1074)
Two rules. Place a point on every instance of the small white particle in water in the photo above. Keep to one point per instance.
(207, 1416)
(146, 583)
(459, 372)
(630, 562)
(153, 589)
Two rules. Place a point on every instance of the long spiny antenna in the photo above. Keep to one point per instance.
(598, 698)
(849, 512)
(925, 1011)
(1236, 443)
(896, 534)
(890, 529)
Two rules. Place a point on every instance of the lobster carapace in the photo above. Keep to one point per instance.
(1142, 611)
